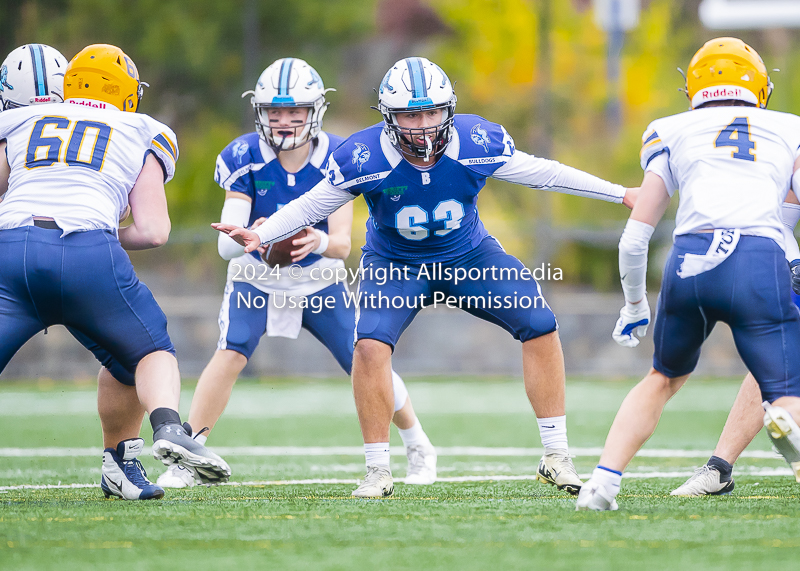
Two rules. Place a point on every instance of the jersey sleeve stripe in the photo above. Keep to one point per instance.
(164, 150)
(164, 144)
(654, 155)
(362, 179)
(650, 142)
(172, 145)
(650, 138)
(237, 174)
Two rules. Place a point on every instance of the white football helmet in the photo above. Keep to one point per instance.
(33, 73)
(417, 84)
(289, 82)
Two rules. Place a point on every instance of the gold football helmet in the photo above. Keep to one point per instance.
(104, 73)
(727, 68)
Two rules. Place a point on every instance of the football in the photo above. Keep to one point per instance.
(280, 253)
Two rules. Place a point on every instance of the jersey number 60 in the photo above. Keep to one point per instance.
(86, 146)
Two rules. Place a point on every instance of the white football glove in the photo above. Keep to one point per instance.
(632, 319)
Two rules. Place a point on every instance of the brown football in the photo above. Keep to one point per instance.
(280, 253)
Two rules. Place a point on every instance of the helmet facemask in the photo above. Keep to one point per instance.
(402, 138)
(287, 138)
(289, 83)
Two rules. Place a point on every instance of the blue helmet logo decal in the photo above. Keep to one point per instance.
(444, 75)
(385, 82)
(240, 149)
(361, 155)
(315, 78)
(4, 79)
(480, 137)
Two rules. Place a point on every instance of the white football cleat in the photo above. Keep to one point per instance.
(556, 468)
(705, 482)
(176, 476)
(785, 435)
(377, 483)
(594, 496)
(421, 465)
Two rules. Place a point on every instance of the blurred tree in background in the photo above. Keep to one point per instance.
(536, 66)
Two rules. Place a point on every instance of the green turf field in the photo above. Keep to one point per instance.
(294, 446)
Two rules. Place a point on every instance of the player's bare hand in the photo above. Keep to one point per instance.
(306, 244)
(631, 194)
(262, 250)
(242, 236)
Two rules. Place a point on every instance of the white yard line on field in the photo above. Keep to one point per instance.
(454, 479)
(396, 451)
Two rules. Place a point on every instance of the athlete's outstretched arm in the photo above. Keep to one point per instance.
(544, 174)
(318, 203)
(148, 202)
(5, 169)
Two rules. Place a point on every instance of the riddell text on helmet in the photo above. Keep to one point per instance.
(720, 93)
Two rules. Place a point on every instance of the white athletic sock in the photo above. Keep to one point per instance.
(414, 436)
(553, 432)
(611, 479)
(377, 454)
(201, 439)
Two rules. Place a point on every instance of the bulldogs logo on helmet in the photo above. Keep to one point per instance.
(33, 73)
(289, 82)
(411, 85)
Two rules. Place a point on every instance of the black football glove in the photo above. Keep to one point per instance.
(794, 267)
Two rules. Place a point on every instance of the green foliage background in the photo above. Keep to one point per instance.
(536, 66)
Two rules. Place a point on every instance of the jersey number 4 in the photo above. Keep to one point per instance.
(737, 134)
(87, 142)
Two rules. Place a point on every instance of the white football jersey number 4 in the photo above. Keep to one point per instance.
(737, 134)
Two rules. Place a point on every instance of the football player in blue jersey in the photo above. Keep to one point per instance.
(260, 172)
(420, 171)
(65, 264)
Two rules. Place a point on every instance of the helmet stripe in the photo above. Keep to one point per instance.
(286, 69)
(418, 88)
(39, 74)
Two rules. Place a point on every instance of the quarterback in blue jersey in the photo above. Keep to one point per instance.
(420, 172)
(260, 173)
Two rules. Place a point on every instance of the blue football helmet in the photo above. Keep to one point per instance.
(411, 85)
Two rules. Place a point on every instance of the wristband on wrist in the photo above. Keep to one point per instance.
(324, 240)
